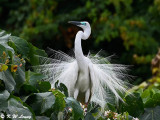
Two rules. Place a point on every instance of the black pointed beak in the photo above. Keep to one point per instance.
(74, 22)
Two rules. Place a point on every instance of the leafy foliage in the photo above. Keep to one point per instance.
(41, 102)
(133, 103)
(151, 114)
(77, 110)
(118, 26)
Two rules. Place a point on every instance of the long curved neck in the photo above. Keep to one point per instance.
(78, 49)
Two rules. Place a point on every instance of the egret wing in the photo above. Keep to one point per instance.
(60, 67)
(106, 76)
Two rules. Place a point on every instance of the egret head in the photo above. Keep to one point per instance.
(85, 26)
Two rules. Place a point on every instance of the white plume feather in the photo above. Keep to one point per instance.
(104, 75)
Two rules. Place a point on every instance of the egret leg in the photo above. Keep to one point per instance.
(76, 93)
(87, 94)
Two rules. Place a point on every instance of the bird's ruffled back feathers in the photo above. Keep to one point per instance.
(107, 76)
(59, 67)
(64, 68)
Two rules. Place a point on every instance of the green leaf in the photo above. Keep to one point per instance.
(155, 90)
(33, 78)
(24, 104)
(41, 102)
(19, 78)
(34, 52)
(89, 116)
(154, 101)
(77, 109)
(8, 79)
(151, 114)
(60, 102)
(2, 85)
(4, 95)
(4, 38)
(26, 89)
(16, 107)
(62, 88)
(21, 45)
(43, 86)
(147, 94)
(133, 105)
(140, 91)
(2, 48)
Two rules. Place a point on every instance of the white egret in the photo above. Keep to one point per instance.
(86, 77)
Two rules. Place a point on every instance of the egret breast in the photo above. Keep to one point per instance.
(83, 81)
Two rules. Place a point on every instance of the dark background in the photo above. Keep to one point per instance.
(127, 28)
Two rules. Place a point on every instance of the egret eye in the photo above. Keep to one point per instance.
(83, 23)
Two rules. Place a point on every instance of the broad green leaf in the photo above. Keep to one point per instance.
(43, 86)
(62, 88)
(33, 78)
(41, 102)
(2, 48)
(155, 90)
(24, 104)
(151, 114)
(154, 101)
(27, 89)
(21, 45)
(4, 95)
(133, 105)
(34, 52)
(147, 94)
(140, 91)
(8, 79)
(89, 116)
(19, 78)
(60, 102)
(77, 109)
(2, 85)
(16, 107)
(13, 81)
(4, 38)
